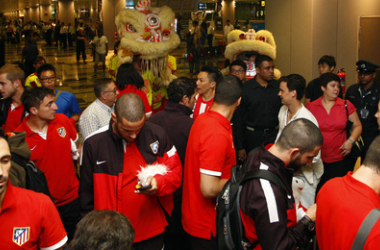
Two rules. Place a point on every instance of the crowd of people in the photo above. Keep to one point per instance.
(55, 33)
(138, 178)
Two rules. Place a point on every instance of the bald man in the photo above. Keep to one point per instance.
(108, 173)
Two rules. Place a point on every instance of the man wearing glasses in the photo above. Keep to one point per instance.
(98, 113)
(365, 96)
(239, 69)
(67, 103)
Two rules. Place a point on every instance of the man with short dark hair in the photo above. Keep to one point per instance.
(103, 229)
(210, 34)
(50, 137)
(269, 215)
(194, 49)
(175, 117)
(32, 80)
(344, 202)
(108, 173)
(67, 102)
(98, 113)
(70, 34)
(12, 110)
(28, 220)
(210, 154)
(255, 121)
(365, 96)
(177, 123)
(206, 83)
(81, 45)
(238, 68)
(63, 35)
(313, 91)
(100, 48)
(227, 28)
(292, 88)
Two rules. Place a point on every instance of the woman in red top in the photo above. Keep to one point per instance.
(128, 80)
(331, 114)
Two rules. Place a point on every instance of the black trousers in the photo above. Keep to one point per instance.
(70, 39)
(70, 216)
(209, 40)
(203, 244)
(256, 138)
(335, 169)
(81, 50)
(63, 40)
(175, 236)
(48, 37)
(154, 243)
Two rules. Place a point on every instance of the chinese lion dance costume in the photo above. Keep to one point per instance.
(149, 33)
(246, 46)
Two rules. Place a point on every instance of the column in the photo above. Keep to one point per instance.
(111, 9)
(66, 12)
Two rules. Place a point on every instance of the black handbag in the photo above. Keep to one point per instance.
(357, 146)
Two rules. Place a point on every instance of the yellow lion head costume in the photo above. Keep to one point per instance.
(148, 32)
(243, 45)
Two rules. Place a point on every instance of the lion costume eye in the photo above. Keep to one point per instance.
(129, 27)
(263, 39)
(166, 33)
(152, 21)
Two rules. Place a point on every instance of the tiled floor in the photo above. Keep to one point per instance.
(78, 79)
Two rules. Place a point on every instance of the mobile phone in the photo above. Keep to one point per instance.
(145, 187)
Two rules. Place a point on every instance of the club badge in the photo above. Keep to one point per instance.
(154, 147)
(62, 132)
(21, 235)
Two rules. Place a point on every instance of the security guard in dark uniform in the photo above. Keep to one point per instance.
(365, 96)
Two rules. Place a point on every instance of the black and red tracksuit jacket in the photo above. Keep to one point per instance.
(103, 159)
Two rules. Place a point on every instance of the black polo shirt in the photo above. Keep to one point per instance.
(366, 100)
(258, 109)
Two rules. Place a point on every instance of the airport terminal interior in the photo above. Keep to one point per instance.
(79, 78)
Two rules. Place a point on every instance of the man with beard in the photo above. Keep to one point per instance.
(108, 173)
(28, 220)
(12, 110)
(269, 216)
(292, 88)
(365, 96)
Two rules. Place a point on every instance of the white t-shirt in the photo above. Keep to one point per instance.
(228, 29)
(100, 44)
(301, 113)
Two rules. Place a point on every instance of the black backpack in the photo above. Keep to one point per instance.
(230, 231)
(35, 178)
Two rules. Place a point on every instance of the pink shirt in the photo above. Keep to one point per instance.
(332, 126)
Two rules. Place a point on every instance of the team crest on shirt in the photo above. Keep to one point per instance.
(62, 132)
(21, 235)
(154, 147)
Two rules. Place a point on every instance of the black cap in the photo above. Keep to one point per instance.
(366, 67)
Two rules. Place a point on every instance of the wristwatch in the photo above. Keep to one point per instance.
(308, 222)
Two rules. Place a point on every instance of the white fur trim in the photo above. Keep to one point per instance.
(151, 170)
